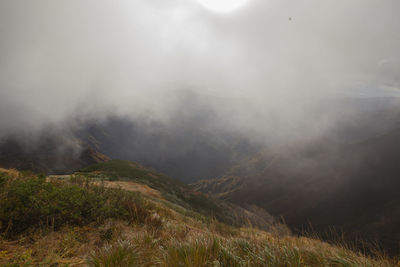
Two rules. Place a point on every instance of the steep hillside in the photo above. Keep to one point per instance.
(179, 193)
(322, 186)
(84, 220)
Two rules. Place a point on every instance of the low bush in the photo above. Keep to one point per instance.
(33, 202)
(3, 178)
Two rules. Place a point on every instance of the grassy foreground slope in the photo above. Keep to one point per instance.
(82, 220)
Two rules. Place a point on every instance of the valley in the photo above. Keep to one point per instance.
(347, 190)
(194, 133)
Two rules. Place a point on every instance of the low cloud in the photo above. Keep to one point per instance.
(265, 69)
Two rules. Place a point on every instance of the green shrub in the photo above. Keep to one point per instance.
(32, 202)
(3, 179)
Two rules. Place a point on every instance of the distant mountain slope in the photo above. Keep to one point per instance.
(354, 187)
(182, 151)
(195, 142)
(51, 154)
(188, 150)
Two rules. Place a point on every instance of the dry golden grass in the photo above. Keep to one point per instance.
(175, 239)
(179, 243)
(133, 187)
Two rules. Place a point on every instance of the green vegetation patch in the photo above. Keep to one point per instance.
(30, 202)
(171, 189)
(126, 170)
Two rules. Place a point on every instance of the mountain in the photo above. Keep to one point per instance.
(194, 142)
(52, 153)
(189, 150)
(321, 186)
(119, 213)
(184, 152)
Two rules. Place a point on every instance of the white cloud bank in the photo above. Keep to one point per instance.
(278, 58)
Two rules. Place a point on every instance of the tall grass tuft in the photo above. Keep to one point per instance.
(121, 253)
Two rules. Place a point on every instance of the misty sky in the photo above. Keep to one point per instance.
(268, 59)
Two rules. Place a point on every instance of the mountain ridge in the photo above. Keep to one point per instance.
(347, 187)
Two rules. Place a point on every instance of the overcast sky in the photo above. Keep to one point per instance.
(90, 57)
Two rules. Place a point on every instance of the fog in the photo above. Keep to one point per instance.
(265, 69)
